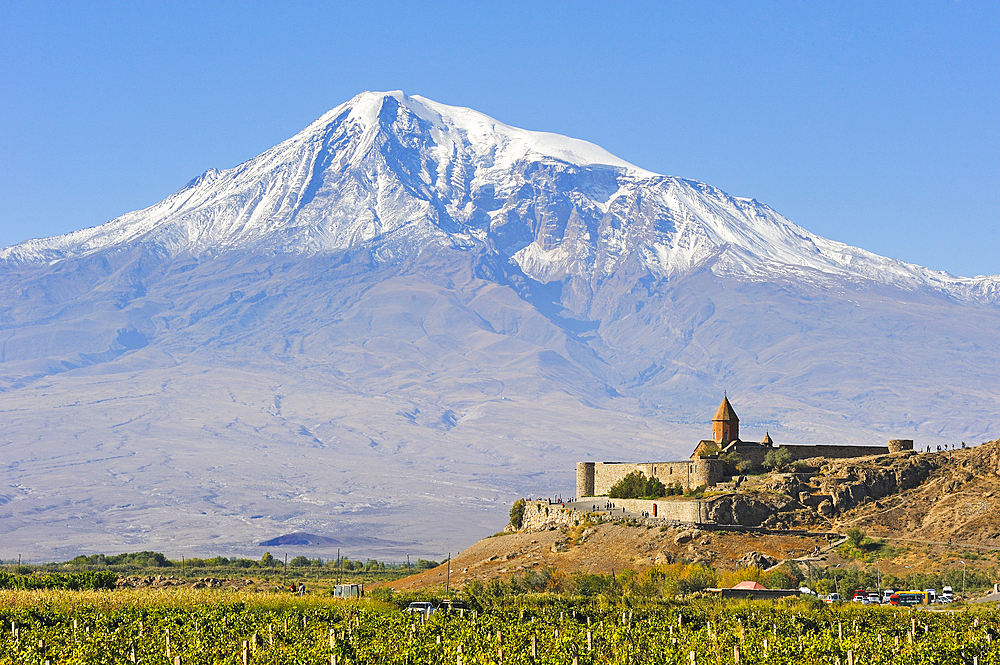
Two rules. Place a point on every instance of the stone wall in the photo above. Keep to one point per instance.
(756, 453)
(540, 515)
(596, 478)
(691, 511)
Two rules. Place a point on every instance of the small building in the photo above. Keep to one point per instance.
(750, 589)
(349, 591)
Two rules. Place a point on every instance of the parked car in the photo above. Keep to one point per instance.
(421, 607)
(832, 598)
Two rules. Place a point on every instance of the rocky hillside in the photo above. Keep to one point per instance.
(940, 497)
(941, 502)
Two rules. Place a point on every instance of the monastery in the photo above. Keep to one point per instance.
(706, 466)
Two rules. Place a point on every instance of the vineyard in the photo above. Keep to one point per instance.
(65, 627)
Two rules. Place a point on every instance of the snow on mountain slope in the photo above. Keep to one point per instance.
(393, 172)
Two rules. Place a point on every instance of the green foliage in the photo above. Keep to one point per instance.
(517, 514)
(855, 537)
(639, 627)
(300, 562)
(777, 458)
(696, 492)
(425, 564)
(636, 486)
(128, 559)
(85, 581)
(674, 490)
(267, 560)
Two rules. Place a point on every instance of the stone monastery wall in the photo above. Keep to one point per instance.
(541, 515)
(596, 478)
(756, 452)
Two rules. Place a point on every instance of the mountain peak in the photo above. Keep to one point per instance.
(395, 172)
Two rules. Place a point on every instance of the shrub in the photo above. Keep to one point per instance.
(777, 458)
(636, 486)
(517, 514)
(856, 537)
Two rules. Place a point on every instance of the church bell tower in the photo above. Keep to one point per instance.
(725, 424)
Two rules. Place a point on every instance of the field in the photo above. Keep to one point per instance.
(204, 626)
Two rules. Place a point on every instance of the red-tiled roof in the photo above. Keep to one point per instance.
(725, 411)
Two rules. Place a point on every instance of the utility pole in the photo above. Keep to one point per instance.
(878, 583)
(338, 566)
(963, 579)
(447, 583)
(284, 571)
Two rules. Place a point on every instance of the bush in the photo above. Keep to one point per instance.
(636, 486)
(856, 537)
(777, 458)
(517, 514)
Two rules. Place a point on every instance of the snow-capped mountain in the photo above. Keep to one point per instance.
(396, 172)
(389, 326)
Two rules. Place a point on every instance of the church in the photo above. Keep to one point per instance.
(706, 466)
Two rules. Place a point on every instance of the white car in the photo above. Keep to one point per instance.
(421, 607)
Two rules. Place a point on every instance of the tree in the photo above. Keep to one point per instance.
(636, 486)
(300, 562)
(517, 514)
(778, 458)
(856, 537)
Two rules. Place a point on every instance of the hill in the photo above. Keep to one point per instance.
(922, 513)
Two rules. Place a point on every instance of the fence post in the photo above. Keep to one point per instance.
(850, 657)
(736, 654)
(177, 660)
(534, 647)
(694, 658)
(590, 644)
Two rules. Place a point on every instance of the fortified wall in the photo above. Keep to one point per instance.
(756, 452)
(597, 478)
(541, 515)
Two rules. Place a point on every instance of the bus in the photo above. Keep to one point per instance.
(910, 598)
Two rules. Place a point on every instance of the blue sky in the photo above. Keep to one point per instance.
(876, 124)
